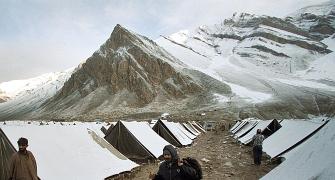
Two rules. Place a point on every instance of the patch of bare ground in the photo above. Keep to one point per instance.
(221, 157)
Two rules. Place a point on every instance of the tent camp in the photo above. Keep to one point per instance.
(136, 140)
(292, 133)
(268, 127)
(313, 159)
(171, 133)
(68, 151)
(251, 123)
(109, 127)
(190, 129)
(198, 127)
(6, 151)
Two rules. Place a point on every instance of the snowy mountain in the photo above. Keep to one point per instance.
(247, 65)
(318, 20)
(129, 74)
(25, 96)
(262, 59)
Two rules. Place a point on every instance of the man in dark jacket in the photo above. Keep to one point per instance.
(172, 168)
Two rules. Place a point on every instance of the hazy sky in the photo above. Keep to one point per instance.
(41, 36)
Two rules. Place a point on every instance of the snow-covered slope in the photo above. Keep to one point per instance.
(27, 95)
(319, 19)
(260, 57)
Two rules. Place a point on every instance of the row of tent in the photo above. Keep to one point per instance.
(306, 146)
(141, 141)
(79, 150)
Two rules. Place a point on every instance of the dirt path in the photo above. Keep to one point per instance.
(226, 159)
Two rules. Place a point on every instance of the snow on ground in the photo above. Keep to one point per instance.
(69, 151)
(304, 83)
(313, 159)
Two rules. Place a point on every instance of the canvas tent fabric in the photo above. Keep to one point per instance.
(67, 151)
(251, 123)
(190, 129)
(196, 125)
(6, 151)
(165, 133)
(171, 132)
(192, 126)
(185, 131)
(235, 126)
(241, 125)
(289, 135)
(313, 159)
(136, 140)
(265, 126)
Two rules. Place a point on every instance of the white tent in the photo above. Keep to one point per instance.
(147, 137)
(235, 126)
(185, 131)
(290, 134)
(241, 125)
(196, 125)
(313, 159)
(192, 126)
(189, 128)
(263, 125)
(180, 135)
(251, 123)
(68, 151)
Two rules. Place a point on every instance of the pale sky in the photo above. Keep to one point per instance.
(42, 36)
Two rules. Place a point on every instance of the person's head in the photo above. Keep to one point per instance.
(170, 153)
(23, 144)
(259, 131)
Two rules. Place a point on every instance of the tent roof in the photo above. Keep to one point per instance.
(235, 125)
(69, 151)
(189, 128)
(179, 134)
(147, 137)
(313, 159)
(196, 125)
(185, 131)
(192, 126)
(244, 122)
(291, 133)
(248, 137)
(250, 124)
(6, 151)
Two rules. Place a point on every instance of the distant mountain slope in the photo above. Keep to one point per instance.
(318, 20)
(26, 96)
(129, 71)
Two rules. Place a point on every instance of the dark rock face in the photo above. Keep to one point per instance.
(133, 63)
(319, 26)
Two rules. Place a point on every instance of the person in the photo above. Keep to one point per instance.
(23, 164)
(172, 167)
(257, 147)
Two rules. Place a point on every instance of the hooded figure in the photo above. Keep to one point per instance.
(172, 168)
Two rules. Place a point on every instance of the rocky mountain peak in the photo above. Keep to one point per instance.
(127, 70)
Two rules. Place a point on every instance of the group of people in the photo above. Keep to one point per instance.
(23, 164)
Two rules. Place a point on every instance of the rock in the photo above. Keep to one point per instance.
(205, 160)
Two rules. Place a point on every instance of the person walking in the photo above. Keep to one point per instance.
(257, 147)
(23, 164)
(172, 168)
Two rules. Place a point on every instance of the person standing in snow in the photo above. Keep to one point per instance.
(172, 167)
(257, 147)
(23, 164)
